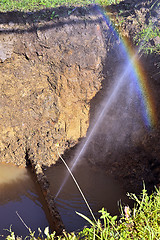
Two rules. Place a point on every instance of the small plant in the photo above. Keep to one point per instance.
(12, 235)
(145, 38)
(53, 15)
(143, 222)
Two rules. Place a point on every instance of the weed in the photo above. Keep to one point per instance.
(143, 222)
(145, 38)
(53, 15)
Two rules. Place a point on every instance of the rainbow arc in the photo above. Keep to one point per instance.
(140, 77)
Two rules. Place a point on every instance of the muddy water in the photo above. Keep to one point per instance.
(20, 193)
(99, 189)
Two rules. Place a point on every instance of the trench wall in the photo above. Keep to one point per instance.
(50, 69)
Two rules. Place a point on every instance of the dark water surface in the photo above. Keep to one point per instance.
(98, 188)
(20, 192)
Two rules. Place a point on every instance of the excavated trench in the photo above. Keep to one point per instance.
(54, 77)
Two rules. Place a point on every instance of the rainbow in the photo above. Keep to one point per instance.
(149, 111)
(145, 89)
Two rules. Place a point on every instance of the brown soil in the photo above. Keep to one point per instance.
(50, 70)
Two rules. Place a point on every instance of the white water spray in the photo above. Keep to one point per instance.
(84, 198)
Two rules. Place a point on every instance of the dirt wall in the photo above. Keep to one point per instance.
(50, 69)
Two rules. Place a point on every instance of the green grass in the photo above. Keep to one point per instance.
(30, 5)
(142, 222)
(144, 39)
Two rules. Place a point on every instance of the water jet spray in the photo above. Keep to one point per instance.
(75, 181)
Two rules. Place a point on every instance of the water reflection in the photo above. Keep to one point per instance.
(18, 192)
(99, 189)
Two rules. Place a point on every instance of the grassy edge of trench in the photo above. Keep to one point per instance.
(141, 222)
(31, 5)
(143, 38)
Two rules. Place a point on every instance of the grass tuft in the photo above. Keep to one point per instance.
(31, 5)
